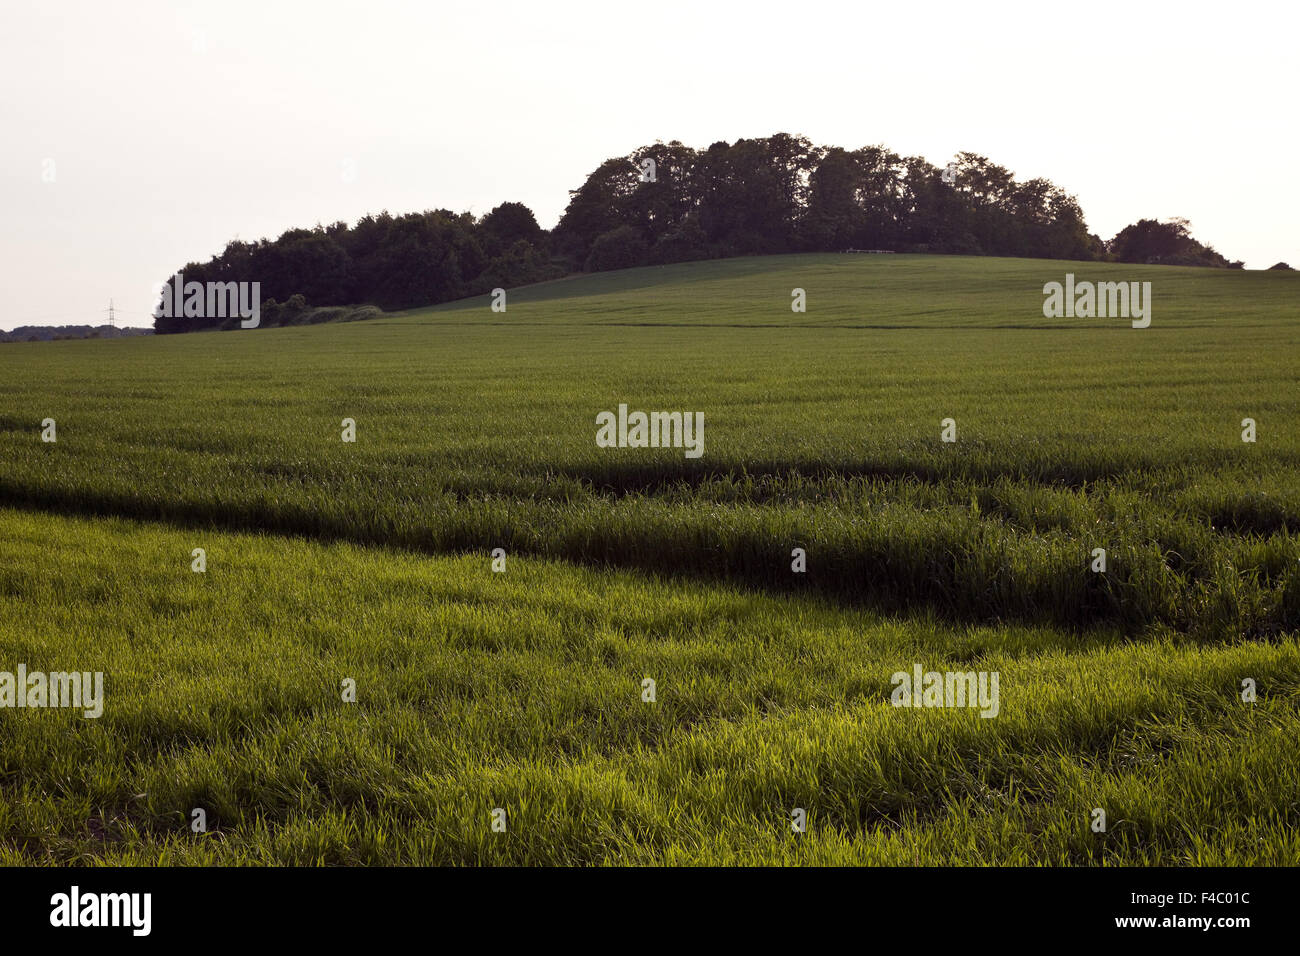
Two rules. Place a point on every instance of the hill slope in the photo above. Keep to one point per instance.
(477, 430)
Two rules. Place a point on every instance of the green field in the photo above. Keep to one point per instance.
(523, 690)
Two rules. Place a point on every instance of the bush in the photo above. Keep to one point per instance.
(620, 248)
(685, 242)
(270, 312)
(521, 264)
(363, 312)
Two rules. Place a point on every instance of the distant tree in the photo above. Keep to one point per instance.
(311, 262)
(835, 218)
(880, 195)
(793, 158)
(1148, 241)
(927, 205)
(746, 207)
(1280, 265)
(598, 206)
(665, 192)
(507, 224)
(1166, 243)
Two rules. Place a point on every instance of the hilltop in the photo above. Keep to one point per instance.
(669, 203)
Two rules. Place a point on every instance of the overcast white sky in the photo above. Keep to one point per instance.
(175, 126)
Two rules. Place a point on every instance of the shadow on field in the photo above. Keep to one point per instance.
(961, 566)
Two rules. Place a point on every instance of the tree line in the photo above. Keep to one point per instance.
(393, 262)
(668, 203)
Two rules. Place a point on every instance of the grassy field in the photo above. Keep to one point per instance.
(523, 690)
